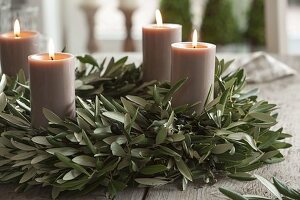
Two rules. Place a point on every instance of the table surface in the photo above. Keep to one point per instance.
(284, 92)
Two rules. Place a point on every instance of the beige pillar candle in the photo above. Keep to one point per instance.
(195, 61)
(157, 40)
(52, 79)
(15, 47)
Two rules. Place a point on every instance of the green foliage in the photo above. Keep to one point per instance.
(107, 79)
(219, 26)
(277, 188)
(138, 139)
(256, 23)
(179, 12)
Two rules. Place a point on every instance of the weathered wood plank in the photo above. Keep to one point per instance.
(284, 92)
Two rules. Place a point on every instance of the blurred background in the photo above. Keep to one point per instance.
(115, 25)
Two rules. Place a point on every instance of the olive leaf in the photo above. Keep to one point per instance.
(68, 162)
(39, 158)
(279, 189)
(72, 174)
(28, 175)
(173, 90)
(270, 186)
(15, 120)
(151, 181)
(183, 168)
(22, 146)
(232, 195)
(88, 60)
(120, 118)
(3, 101)
(3, 82)
(42, 140)
(153, 169)
(52, 117)
(85, 160)
(285, 190)
(138, 100)
(66, 151)
(162, 135)
(242, 176)
(23, 156)
(117, 150)
(262, 117)
(222, 148)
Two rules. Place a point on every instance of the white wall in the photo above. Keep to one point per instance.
(75, 26)
(50, 23)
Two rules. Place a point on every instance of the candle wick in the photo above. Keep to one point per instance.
(16, 35)
(51, 58)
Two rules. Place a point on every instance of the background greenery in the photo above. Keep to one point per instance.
(219, 26)
(255, 33)
(179, 12)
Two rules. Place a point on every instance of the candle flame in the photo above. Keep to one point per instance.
(159, 21)
(17, 28)
(51, 49)
(195, 38)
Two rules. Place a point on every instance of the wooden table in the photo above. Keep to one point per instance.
(284, 92)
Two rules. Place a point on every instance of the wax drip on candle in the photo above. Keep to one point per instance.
(159, 21)
(195, 39)
(17, 28)
(51, 49)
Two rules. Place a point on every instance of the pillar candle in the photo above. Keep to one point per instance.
(157, 40)
(52, 84)
(195, 61)
(15, 47)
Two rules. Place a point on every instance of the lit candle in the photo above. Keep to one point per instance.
(15, 47)
(157, 40)
(52, 79)
(195, 61)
